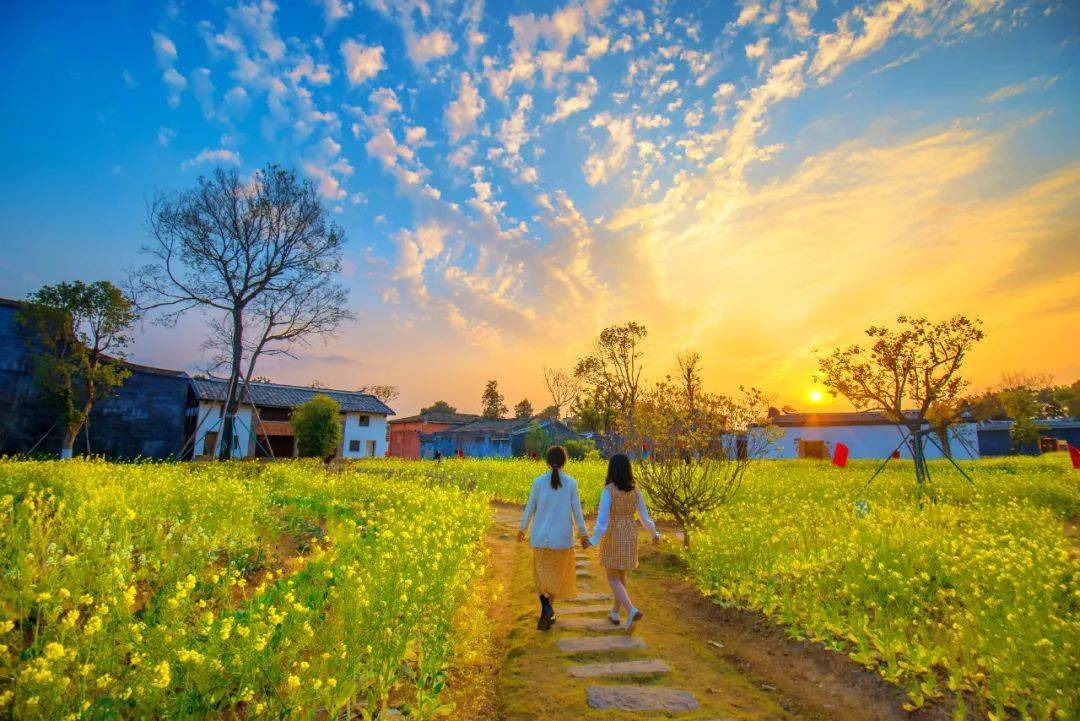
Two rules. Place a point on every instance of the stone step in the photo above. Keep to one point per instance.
(619, 668)
(582, 573)
(590, 596)
(578, 623)
(640, 698)
(570, 610)
(596, 644)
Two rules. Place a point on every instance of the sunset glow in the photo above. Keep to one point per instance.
(755, 181)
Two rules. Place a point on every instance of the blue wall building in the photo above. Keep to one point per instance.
(489, 438)
(144, 418)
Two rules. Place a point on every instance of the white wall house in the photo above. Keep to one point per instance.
(867, 435)
(263, 426)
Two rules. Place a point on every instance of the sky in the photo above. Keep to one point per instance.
(757, 181)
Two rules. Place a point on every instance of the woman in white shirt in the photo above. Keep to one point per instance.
(616, 533)
(555, 503)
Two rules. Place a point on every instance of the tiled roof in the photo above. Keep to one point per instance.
(493, 426)
(864, 418)
(445, 418)
(276, 395)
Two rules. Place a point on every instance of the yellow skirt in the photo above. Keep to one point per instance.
(554, 572)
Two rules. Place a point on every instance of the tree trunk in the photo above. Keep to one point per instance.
(232, 402)
(68, 443)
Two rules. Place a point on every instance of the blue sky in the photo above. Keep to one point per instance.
(757, 180)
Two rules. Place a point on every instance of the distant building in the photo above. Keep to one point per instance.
(866, 434)
(144, 418)
(489, 438)
(405, 432)
(263, 422)
(159, 413)
(994, 439)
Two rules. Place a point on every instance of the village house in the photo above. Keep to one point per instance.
(144, 418)
(405, 432)
(868, 434)
(490, 437)
(263, 422)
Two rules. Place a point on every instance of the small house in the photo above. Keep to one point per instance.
(490, 437)
(263, 422)
(405, 432)
(868, 434)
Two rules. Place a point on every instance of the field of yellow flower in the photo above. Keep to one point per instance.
(974, 597)
(229, 590)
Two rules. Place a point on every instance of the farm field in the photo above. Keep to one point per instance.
(282, 590)
(228, 590)
(974, 598)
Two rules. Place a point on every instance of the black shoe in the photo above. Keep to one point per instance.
(546, 619)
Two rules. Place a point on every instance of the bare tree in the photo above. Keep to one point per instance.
(385, 392)
(693, 458)
(563, 388)
(907, 373)
(260, 255)
(689, 366)
(612, 369)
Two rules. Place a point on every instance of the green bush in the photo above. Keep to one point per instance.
(579, 448)
(317, 427)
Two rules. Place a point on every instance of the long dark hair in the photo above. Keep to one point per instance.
(556, 458)
(620, 473)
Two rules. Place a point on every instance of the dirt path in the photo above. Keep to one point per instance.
(689, 659)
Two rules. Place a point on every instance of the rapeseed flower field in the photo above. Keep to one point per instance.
(228, 590)
(282, 590)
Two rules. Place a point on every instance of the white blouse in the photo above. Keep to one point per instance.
(604, 515)
(555, 509)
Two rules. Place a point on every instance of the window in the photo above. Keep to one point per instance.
(363, 420)
(354, 446)
(370, 449)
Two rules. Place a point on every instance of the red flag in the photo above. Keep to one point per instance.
(1074, 456)
(839, 457)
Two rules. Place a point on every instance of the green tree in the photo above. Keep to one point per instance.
(492, 402)
(523, 409)
(611, 372)
(81, 335)
(317, 427)
(696, 456)
(1021, 404)
(537, 439)
(551, 413)
(439, 407)
(905, 372)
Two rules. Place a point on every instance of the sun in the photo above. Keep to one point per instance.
(816, 396)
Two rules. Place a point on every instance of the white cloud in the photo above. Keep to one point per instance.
(424, 48)
(164, 50)
(461, 114)
(334, 10)
(221, 156)
(307, 69)
(603, 162)
(514, 131)
(385, 101)
(165, 136)
(758, 49)
(129, 80)
(580, 100)
(176, 83)
(328, 186)
(1042, 82)
(597, 45)
(362, 62)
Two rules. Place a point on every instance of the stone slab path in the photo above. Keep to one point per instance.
(640, 698)
(646, 667)
(624, 697)
(598, 644)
